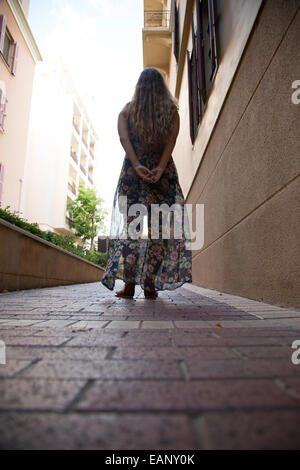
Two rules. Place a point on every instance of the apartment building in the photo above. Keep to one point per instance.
(19, 55)
(234, 66)
(62, 149)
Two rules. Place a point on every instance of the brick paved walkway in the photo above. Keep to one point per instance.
(192, 370)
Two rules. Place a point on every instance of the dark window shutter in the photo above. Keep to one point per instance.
(190, 96)
(15, 58)
(2, 31)
(201, 70)
(196, 103)
(175, 30)
(212, 35)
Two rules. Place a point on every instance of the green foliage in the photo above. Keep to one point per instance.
(88, 215)
(67, 242)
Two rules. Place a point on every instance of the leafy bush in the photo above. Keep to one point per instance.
(67, 242)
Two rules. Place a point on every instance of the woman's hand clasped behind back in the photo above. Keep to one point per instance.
(150, 176)
(157, 174)
(144, 173)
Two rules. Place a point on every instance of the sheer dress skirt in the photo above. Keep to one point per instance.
(160, 263)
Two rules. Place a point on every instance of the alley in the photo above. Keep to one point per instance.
(195, 369)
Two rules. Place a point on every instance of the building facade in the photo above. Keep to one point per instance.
(62, 149)
(19, 55)
(234, 66)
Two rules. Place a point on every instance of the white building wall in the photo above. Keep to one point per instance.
(45, 189)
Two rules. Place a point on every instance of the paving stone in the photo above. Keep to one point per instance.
(235, 368)
(37, 394)
(96, 431)
(192, 324)
(124, 325)
(160, 325)
(8, 332)
(35, 341)
(266, 352)
(193, 396)
(57, 323)
(18, 323)
(13, 366)
(210, 353)
(122, 369)
(291, 385)
(252, 430)
(195, 339)
(89, 324)
(54, 353)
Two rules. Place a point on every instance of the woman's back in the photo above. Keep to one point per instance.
(143, 148)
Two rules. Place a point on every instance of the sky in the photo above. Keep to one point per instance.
(100, 41)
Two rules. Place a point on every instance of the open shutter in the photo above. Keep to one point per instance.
(3, 102)
(212, 36)
(201, 70)
(195, 79)
(1, 107)
(2, 31)
(175, 30)
(1, 180)
(190, 97)
(15, 58)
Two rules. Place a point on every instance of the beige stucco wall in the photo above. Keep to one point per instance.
(13, 143)
(235, 26)
(29, 262)
(248, 179)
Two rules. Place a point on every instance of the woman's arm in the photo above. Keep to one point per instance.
(123, 130)
(167, 154)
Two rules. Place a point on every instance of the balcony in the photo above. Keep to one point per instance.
(157, 19)
(76, 126)
(92, 154)
(84, 140)
(74, 156)
(72, 188)
(83, 170)
(157, 40)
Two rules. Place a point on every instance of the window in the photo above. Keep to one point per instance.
(8, 48)
(202, 62)
(175, 30)
(3, 103)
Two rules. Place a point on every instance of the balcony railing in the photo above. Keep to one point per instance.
(92, 154)
(157, 19)
(76, 127)
(74, 156)
(83, 170)
(84, 141)
(91, 180)
(72, 188)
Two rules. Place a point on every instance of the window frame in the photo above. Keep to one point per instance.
(197, 66)
(11, 43)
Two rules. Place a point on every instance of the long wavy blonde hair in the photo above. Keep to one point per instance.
(152, 110)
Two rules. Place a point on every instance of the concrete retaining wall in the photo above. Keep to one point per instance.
(29, 262)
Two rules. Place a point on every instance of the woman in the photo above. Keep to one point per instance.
(148, 127)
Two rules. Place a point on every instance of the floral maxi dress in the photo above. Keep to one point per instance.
(161, 263)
